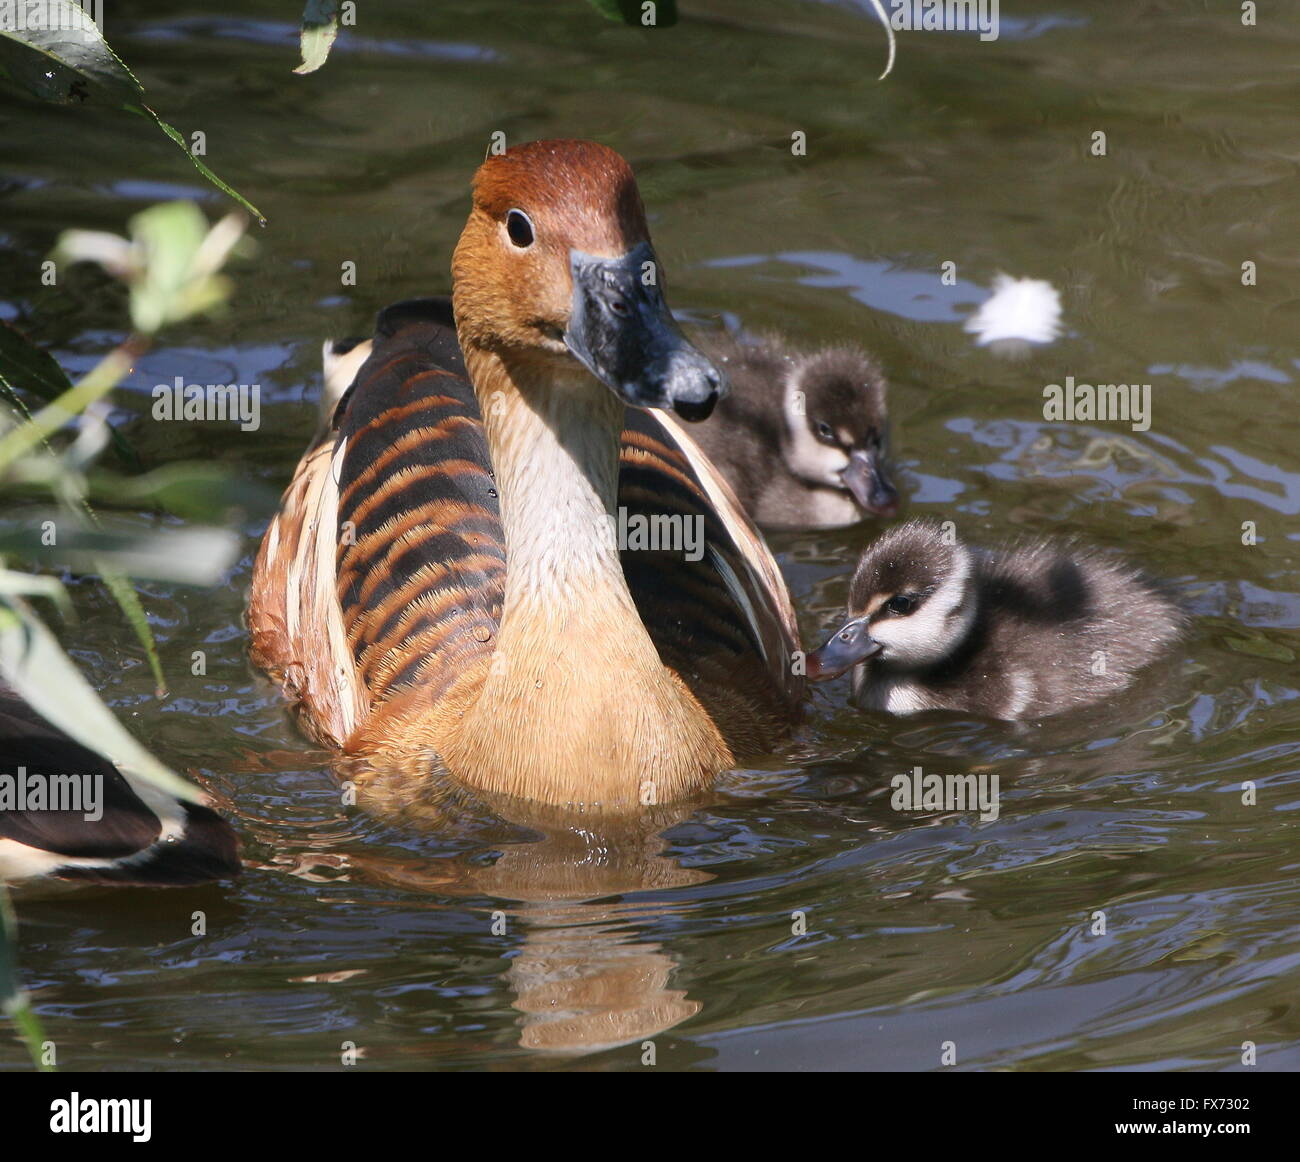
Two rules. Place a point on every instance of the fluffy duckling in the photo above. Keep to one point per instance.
(802, 438)
(1024, 632)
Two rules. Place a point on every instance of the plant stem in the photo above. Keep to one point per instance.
(96, 383)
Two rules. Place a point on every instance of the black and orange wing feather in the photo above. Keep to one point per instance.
(406, 592)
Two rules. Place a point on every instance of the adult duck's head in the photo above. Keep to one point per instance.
(555, 266)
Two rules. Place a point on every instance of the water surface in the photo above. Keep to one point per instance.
(467, 949)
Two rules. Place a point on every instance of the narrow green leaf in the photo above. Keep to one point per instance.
(188, 556)
(25, 366)
(37, 668)
(97, 382)
(13, 1001)
(14, 584)
(199, 492)
(128, 601)
(228, 190)
(29, 1028)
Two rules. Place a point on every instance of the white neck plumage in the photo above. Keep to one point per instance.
(576, 706)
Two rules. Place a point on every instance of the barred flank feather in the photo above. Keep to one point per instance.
(380, 584)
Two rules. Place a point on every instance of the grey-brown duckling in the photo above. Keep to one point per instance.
(1022, 632)
(802, 438)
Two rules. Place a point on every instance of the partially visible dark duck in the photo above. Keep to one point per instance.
(803, 438)
(1030, 630)
(137, 834)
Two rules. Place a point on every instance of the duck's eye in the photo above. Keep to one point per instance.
(900, 605)
(519, 228)
(824, 433)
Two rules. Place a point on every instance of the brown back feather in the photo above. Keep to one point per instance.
(383, 575)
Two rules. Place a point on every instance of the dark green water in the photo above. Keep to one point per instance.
(921, 929)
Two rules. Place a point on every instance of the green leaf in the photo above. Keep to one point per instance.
(25, 365)
(224, 187)
(178, 278)
(320, 27)
(170, 264)
(632, 12)
(14, 583)
(189, 556)
(168, 236)
(198, 492)
(128, 601)
(71, 63)
(67, 62)
(37, 668)
(13, 1001)
(97, 382)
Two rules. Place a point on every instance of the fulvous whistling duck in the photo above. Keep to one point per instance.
(443, 593)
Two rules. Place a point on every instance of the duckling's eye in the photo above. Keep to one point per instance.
(900, 605)
(519, 228)
(824, 433)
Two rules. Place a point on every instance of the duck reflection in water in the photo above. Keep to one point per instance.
(580, 976)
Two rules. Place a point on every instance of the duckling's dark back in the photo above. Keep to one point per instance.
(743, 436)
(1058, 626)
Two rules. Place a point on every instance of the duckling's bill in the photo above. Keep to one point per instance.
(851, 645)
(869, 483)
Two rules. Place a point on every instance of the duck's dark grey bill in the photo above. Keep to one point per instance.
(621, 331)
(851, 644)
(868, 481)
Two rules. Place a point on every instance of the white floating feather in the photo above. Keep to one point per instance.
(1019, 312)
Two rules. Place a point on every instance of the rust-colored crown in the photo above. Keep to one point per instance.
(585, 189)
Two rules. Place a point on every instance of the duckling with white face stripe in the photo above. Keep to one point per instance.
(802, 439)
(1023, 632)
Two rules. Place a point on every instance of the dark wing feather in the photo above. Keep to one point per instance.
(421, 557)
(120, 845)
(723, 622)
(419, 565)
